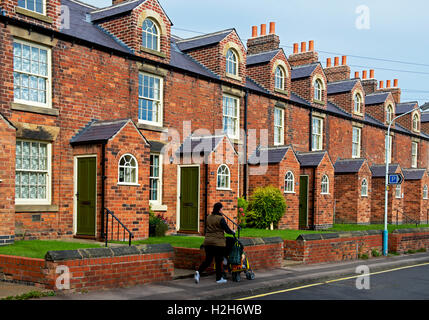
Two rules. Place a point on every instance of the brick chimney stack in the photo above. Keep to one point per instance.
(264, 42)
(369, 85)
(395, 90)
(338, 72)
(303, 57)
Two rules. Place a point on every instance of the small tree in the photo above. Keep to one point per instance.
(266, 206)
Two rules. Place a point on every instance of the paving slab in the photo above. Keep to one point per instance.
(8, 289)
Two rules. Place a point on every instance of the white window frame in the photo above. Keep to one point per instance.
(317, 135)
(398, 191)
(228, 175)
(356, 143)
(357, 103)
(136, 183)
(425, 192)
(364, 188)
(46, 201)
(389, 148)
(318, 90)
(416, 121)
(289, 182)
(279, 126)
(145, 33)
(325, 184)
(414, 154)
(236, 118)
(26, 7)
(48, 77)
(160, 180)
(230, 61)
(279, 78)
(159, 103)
(389, 113)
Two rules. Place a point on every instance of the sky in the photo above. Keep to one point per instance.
(389, 36)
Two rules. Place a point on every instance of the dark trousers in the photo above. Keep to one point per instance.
(218, 254)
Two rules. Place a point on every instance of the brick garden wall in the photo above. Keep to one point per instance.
(402, 240)
(318, 248)
(93, 269)
(265, 253)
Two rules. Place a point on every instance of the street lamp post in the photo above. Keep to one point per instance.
(386, 191)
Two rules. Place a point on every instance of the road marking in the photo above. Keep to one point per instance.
(330, 281)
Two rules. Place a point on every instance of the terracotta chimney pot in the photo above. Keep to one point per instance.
(364, 74)
(357, 74)
(272, 27)
(344, 60)
(254, 31)
(336, 61)
(328, 62)
(263, 29)
(311, 45)
(303, 45)
(295, 48)
(381, 84)
(395, 83)
(371, 74)
(388, 84)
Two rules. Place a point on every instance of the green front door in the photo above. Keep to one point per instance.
(189, 193)
(86, 196)
(303, 202)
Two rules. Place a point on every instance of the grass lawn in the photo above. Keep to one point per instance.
(175, 241)
(390, 227)
(284, 234)
(38, 248)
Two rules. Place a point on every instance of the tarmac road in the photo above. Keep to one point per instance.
(404, 283)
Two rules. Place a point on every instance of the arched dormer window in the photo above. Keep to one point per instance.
(289, 182)
(150, 35)
(128, 170)
(223, 177)
(231, 62)
(364, 188)
(358, 103)
(325, 184)
(279, 78)
(389, 113)
(318, 90)
(416, 121)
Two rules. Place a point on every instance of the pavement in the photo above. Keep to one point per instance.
(8, 289)
(291, 274)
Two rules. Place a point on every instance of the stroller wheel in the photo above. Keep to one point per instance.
(236, 277)
(250, 275)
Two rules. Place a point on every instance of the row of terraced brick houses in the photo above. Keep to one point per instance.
(108, 109)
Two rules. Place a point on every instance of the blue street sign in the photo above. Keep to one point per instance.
(395, 178)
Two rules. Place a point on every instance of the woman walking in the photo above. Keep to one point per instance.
(214, 242)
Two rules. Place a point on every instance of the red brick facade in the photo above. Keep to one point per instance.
(99, 80)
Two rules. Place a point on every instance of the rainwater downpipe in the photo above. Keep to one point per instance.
(103, 187)
(206, 184)
(245, 168)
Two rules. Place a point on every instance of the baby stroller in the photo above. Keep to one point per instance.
(237, 261)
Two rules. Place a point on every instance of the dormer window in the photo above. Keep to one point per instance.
(231, 63)
(416, 122)
(389, 113)
(358, 103)
(33, 5)
(150, 34)
(279, 78)
(318, 87)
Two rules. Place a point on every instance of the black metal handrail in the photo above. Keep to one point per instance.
(409, 219)
(125, 229)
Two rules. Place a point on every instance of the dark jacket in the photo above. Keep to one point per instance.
(216, 227)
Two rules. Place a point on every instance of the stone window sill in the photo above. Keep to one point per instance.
(234, 77)
(34, 15)
(33, 109)
(151, 127)
(36, 208)
(281, 91)
(318, 102)
(158, 207)
(153, 52)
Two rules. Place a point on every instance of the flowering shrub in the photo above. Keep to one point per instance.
(242, 205)
(158, 225)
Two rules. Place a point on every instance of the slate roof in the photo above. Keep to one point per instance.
(413, 174)
(98, 131)
(296, 98)
(425, 117)
(82, 29)
(341, 86)
(400, 128)
(379, 171)
(261, 57)
(156, 146)
(310, 159)
(251, 84)
(348, 165)
(373, 120)
(206, 144)
(304, 71)
(336, 109)
(113, 10)
(376, 98)
(402, 108)
(271, 155)
(202, 41)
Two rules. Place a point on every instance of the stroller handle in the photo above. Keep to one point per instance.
(238, 227)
